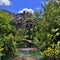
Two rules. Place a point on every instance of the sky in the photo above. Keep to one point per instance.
(16, 6)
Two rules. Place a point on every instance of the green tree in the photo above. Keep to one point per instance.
(7, 46)
(46, 32)
(50, 27)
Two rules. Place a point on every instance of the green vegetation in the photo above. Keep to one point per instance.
(45, 33)
(7, 44)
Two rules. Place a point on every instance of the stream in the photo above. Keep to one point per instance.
(32, 54)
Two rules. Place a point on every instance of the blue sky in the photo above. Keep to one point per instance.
(16, 5)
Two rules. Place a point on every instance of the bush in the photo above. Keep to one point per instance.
(9, 47)
(7, 43)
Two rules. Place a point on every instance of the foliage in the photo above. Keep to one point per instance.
(55, 53)
(1, 48)
(57, 50)
(19, 35)
(45, 34)
(49, 52)
(7, 46)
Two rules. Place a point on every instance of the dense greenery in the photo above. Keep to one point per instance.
(45, 33)
(7, 44)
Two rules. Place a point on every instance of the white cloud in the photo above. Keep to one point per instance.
(20, 11)
(5, 2)
(26, 10)
(47, 2)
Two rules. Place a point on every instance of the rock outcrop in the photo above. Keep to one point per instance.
(23, 20)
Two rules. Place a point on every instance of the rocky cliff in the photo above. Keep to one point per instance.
(23, 20)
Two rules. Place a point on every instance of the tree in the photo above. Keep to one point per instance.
(7, 46)
(47, 30)
(50, 27)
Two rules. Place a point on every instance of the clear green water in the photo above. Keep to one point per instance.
(33, 53)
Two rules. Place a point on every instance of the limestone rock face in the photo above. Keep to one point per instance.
(23, 20)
